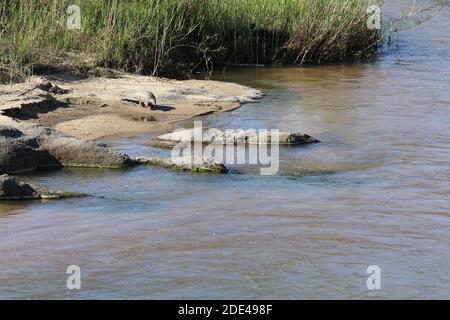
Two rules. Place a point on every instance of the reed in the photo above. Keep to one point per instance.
(176, 37)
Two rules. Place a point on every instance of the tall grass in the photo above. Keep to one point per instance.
(175, 37)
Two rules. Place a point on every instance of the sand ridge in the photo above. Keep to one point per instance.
(93, 107)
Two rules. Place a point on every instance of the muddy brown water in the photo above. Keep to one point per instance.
(375, 192)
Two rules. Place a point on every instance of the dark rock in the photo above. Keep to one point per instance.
(14, 189)
(29, 146)
(11, 188)
(298, 138)
(8, 132)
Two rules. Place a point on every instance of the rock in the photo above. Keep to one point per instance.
(9, 132)
(26, 147)
(296, 138)
(29, 107)
(14, 189)
(195, 164)
(212, 135)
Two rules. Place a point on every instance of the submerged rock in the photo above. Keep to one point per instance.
(195, 164)
(25, 147)
(14, 189)
(212, 135)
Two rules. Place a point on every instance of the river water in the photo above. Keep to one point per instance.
(375, 192)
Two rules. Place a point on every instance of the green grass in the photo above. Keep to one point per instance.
(176, 37)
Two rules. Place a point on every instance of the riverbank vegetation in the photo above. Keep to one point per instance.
(177, 37)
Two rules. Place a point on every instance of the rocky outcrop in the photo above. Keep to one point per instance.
(14, 189)
(212, 135)
(195, 164)
(25, 147)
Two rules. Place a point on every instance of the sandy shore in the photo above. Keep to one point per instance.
(93, 108)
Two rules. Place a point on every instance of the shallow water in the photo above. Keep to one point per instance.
(374, 192)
